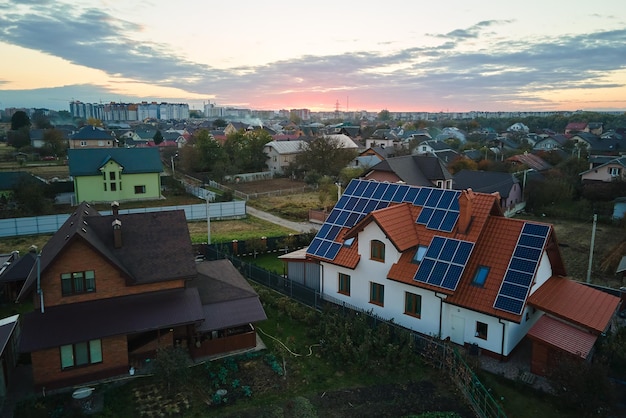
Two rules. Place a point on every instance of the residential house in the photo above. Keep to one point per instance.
(92, 137)
(372, 156)
(115, 174)
(281, 154)
(13, 273)
(550, 142)
(447, 263)
(576, 127)
(109, 290)
(595, 145)
(506, 185)
(416, 170)
(9, 353)
(612, 170)
(530, 161)
(431, 147)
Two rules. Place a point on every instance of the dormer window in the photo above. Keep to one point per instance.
(480, 276)
(348, 242)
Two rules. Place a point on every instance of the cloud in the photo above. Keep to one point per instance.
(505, 70)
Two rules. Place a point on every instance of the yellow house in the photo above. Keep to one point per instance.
(115, 174)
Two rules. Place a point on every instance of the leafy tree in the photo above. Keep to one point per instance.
(256, 246)
(324, 156)
(20, 120)
(19, 138)
(207, 156)
(95, 122)
(54, 142)
(462, 163)
(158, 137)
(245, 151)
(171, 367)
(582, 386)
(30, 195)
(384, 115)
(295, 118)
(40, 120)
(220, 123)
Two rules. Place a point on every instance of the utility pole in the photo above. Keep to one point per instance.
(593, 239)
(208, 219)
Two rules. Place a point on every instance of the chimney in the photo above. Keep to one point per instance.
(465, 211)
(117, 233)
(115, 207)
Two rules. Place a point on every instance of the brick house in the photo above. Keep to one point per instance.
(109, 290)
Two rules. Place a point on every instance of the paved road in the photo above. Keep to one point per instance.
(296, 226)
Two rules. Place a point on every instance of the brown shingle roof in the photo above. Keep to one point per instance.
(155, 246)
(108, 317)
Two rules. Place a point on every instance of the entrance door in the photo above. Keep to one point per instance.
(457, 330)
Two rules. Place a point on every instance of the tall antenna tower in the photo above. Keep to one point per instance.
(337, 109)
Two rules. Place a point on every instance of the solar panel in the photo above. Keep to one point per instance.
(443, 208)
(522, 267)
(444, 262)
(362, 197)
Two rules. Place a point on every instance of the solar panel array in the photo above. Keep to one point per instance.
(444, 262)
(522, 268)
(364, 196)
(440, 208)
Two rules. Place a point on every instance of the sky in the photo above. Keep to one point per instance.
(398, 55)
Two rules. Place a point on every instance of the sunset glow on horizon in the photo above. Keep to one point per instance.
(456, 56)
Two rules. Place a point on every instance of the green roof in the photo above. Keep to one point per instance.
(87, 162)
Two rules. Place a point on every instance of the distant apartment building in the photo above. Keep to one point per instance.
(109, 112)
(303, 114)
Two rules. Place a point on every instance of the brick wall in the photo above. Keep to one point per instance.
(110, 281)
(47, 365)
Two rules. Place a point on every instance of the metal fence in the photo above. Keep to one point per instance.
(433, 351)
(49, 224)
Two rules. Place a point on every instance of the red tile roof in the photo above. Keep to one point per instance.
(577, 303)
(563, 336)
(494, 236)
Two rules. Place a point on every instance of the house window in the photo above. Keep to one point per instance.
(377, 250)
(113, 186)
(81, 354)
(440, 184)
(140, 189)
(344, 284)
(481, 330)
(614, 171)
(105, 186)
(480, 276)
(419, 254)
(83, 143)
(111, 175)
(377, 294)
(413, 304)
(78, 282)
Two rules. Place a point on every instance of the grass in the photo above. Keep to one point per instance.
(241, 229)
(522, 401)
(268, 261)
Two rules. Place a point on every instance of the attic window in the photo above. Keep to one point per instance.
(348, 242)
(419, 254)
(84, 230)
(480, 276)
